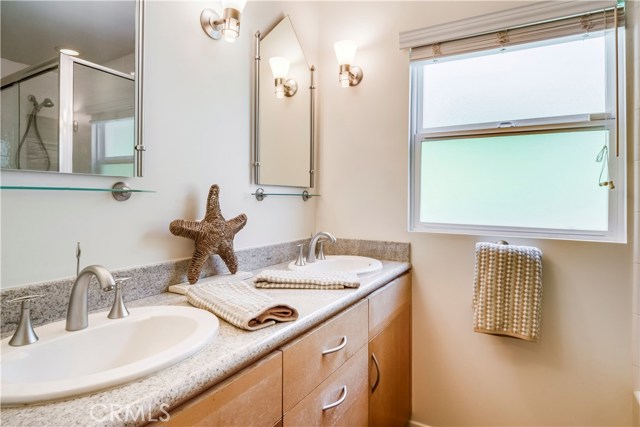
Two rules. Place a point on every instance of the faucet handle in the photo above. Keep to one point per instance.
(300, 261)
(119, 310)
(24, 334)
(320, 255)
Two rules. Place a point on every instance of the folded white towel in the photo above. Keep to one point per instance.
(296, 279)
(507, 293)
(240, 304)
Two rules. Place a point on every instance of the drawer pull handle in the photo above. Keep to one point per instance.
(375, 362)
(338, 348)
(343, 396)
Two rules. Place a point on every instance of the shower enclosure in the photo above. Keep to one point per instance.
(29, 127)
(68, 115)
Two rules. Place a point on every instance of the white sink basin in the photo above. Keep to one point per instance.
(341, 263)
(107, 353)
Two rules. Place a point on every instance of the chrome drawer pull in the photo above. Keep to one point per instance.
(338, 348)
(339, 401)
(375, 362)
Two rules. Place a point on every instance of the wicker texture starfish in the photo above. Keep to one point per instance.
(212, 235)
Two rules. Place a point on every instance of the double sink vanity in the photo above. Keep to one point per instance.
(344, 361)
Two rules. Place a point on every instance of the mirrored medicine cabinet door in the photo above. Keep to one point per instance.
(72, 112)
(284, 110)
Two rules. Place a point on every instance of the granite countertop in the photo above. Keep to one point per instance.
(144, 400)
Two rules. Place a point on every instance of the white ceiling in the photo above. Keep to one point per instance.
(100, 30)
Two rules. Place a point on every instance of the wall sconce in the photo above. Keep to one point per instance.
(350, 75)
(224, 22)
(280, 69)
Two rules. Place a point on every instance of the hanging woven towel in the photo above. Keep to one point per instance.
(240, 304)
(507, 292)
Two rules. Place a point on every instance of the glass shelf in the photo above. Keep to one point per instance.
(261, 194)
(120, 190)
(109, 190)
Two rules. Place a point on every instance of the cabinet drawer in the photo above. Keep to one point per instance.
(304, 364)
(350, 378)
(252, 397)
(387, 302)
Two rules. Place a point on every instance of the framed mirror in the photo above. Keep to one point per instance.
(71, 87)
(284, 110)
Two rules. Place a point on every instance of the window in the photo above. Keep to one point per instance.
(521, 132)
(112, 140)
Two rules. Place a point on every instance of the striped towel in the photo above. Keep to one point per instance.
(296, 279)
(182, 288)
(507, 293)
(240, 304)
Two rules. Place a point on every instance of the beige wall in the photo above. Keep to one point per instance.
(579, 373)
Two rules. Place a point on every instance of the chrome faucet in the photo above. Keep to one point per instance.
(311, 253)
(77, 312)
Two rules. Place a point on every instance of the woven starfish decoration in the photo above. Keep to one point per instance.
(212, 235)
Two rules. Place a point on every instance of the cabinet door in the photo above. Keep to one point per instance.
(251, 398)
(390, 361)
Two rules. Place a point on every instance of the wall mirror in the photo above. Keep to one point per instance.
(72, 112)
(284, 110)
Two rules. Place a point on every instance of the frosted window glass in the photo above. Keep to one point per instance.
(546, 81)
(116, 169)
(118, 138)
(544, 181)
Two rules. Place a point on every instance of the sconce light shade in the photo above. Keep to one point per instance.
(349, 75)
(345, 51)
(223, 22)
(234, 4)
(280, 69)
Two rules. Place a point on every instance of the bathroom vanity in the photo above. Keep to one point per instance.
(276, 375)
(353, 369)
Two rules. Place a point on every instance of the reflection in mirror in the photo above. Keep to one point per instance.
(284, 110)
(30, 123)
(103, 128)
(66, 114)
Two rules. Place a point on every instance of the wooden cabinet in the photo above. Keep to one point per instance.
(325, 373)
(340, 400)
(390, 354)
(308, 360)
(352, 370)
(252, 397)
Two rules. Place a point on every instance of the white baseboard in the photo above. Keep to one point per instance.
(413, 423)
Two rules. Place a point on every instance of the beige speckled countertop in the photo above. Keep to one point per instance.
(138, 402)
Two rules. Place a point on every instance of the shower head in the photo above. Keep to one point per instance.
(47, 103)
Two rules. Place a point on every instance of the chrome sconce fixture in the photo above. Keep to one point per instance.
(350, 75)
(223, 22)
(280, 69)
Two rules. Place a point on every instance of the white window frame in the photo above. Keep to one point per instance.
(617, 165)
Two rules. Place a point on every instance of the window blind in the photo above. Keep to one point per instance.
(565, 27)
